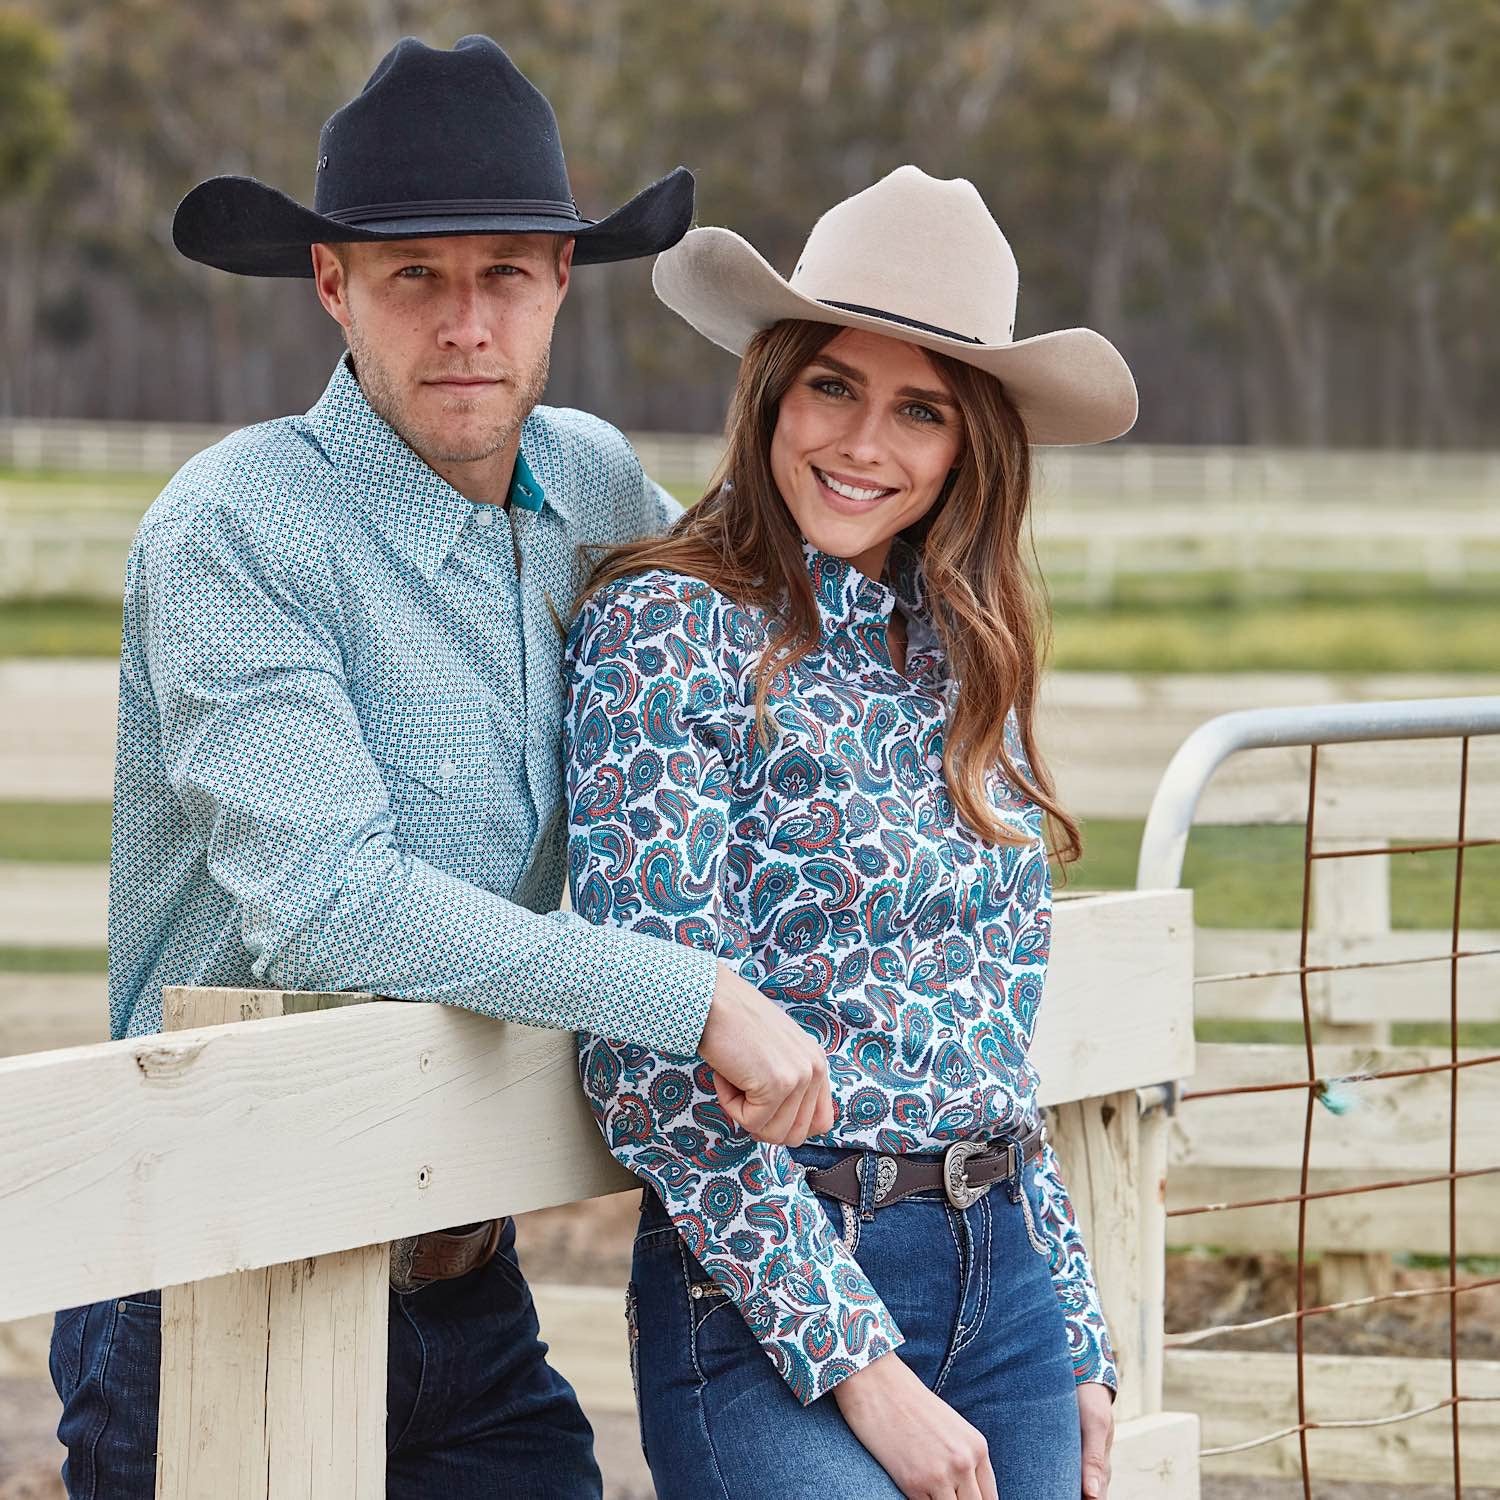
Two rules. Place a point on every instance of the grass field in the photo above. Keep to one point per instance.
(1414, 632)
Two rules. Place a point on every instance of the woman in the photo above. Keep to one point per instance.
(799, 734)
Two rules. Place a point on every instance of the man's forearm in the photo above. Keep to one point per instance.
(399, 927)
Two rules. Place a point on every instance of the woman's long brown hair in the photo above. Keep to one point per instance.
(987, 603)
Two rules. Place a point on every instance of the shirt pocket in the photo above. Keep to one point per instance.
(437, 757)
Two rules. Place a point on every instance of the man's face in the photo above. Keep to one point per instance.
(450, 335)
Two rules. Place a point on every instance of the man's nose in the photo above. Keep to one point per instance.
(466, 324)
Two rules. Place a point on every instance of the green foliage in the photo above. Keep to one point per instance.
(1431, 634)
(1252, 877)
(33, 109)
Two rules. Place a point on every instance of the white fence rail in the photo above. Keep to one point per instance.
(1084, 551)
(1102, 513)
(164, 1161)
(1109, 475)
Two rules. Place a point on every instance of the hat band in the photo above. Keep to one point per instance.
(464, 208)
(890, 317)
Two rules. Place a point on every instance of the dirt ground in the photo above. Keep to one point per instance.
(1207, 1291)
(590, 1244)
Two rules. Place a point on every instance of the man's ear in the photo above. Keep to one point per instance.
(331, 277)
(564, 269)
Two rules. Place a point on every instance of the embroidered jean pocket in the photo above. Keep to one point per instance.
(633, 1336)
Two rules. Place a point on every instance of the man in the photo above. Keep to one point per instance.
(338, 760)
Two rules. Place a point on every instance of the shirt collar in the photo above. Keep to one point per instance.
(845, 595)
(418, 512)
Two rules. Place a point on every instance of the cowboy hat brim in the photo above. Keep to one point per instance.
(240, 224)
(1071, 386)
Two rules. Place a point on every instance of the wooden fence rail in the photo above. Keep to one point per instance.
(214, 1151)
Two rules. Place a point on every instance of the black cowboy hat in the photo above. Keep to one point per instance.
(437, 142)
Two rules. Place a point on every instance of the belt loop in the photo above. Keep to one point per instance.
(1012, 1179)
(867, 1185)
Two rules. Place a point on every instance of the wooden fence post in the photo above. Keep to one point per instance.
(273, 1381)
(1098, 1145)
(1351, 900)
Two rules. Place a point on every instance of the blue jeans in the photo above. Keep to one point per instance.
(983, 1330)
(473, 1408)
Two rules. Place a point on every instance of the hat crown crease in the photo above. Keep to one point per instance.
(920, 248)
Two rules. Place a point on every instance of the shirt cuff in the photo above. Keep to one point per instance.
(1088, 1340)
(819, 1320)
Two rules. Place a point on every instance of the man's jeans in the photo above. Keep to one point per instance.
(983, 1328)
(473, 1409)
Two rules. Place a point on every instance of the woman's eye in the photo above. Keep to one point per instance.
(826, 385)
(920, 413)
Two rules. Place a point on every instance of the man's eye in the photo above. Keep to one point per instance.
(506, 270)
(411, 273)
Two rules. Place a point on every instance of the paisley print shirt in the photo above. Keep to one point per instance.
(833, 871)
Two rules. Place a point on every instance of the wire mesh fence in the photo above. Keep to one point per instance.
(1329, 1094)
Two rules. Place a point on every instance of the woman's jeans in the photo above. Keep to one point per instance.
(473, 1408)
(983, 1329)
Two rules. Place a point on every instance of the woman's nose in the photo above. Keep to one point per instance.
(862, 439)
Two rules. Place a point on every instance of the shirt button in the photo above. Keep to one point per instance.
(447, 770)
(934, 762)
(486, 516)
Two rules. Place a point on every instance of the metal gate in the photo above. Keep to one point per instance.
(1333, 839)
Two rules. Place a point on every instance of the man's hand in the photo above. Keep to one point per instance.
(771, 1076)
(1096, 1421)
(930, 1452)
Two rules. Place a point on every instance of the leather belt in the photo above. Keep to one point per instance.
(964, 1173)
(442, 1254)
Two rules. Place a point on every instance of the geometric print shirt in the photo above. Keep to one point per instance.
(832, 870)
(338, 764)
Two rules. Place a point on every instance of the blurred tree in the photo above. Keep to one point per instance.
(33, 133)
(1286, 212)
(33, 109)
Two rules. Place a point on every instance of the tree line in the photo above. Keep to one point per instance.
(1285, 212)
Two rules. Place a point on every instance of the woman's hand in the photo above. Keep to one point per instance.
(917, 1438)
(1096, 1422)
(770, 1075)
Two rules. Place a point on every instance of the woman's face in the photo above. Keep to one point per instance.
(865, 437)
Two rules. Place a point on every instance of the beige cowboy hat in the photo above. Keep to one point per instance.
(918, 259)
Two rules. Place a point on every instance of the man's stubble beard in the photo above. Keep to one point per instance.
(383, 394)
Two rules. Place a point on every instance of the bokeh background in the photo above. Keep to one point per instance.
(1286, 213)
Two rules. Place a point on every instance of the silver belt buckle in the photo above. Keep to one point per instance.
(401, 1253)
(956, 1185)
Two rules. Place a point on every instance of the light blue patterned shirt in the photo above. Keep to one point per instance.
(338, 762)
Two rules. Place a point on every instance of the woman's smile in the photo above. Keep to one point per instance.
(852, 496)
(866, 437)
